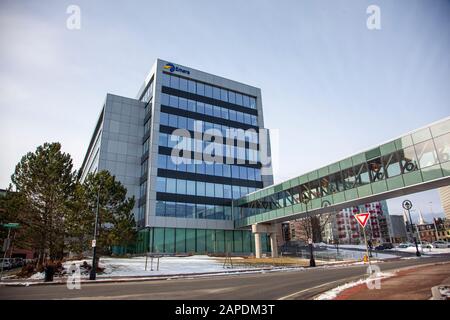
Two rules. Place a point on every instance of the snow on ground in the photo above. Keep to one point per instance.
(333, 293)
(425, 251)
(386, 252)
(346, 251)
(119, 267)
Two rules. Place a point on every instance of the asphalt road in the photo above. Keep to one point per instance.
(298, 284)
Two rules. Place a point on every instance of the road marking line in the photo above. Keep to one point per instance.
(316, 287)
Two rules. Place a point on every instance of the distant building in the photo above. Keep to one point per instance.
(397, 228)
(434, 231)
(347, 230)
(444, 192)
(344, 228)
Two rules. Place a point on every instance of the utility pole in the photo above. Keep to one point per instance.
(93, 273)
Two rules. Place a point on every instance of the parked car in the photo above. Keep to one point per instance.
(384, 246)
(5, 264)
(405, 245)
(426, 244)
(17, 262)
(441, 244)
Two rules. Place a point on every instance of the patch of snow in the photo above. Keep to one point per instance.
(119, 267)
(38, 276)
(333, 293)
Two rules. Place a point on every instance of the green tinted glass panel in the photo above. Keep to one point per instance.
(339, 197)
(158, 240)
(432, 173)
(211, 241)
(374, 153)
(364, 191)
(387, 148)
(358, 159)
(247, 241)
(190, 240)
(220, 239)
(313, 175)
(201, 240)
(403, 142)
(446, 169)
(180, 238)
(323, 172)
(395, 183)
(379, 187)
(238, 241)
(346, 163)
(169, 240)
(351, 194)
(412, 178)
(332, 168)
(229, 240)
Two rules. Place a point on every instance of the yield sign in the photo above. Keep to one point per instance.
(362, 218)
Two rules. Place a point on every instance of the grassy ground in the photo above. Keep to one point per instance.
(269, 262)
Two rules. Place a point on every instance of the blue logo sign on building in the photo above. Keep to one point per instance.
(172, 68)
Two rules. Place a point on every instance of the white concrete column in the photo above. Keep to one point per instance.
(273, 245)
(257, 245)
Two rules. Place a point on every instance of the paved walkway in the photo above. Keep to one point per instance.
(410, 284)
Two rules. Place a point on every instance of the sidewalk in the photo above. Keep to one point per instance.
(409, 284)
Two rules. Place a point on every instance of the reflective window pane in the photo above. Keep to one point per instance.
(161, 184)
(201, 191)
(426, 154)
(392, 165)
(231, 97)
(183, 84)
(216, 93)
(223, 95)
(175, 82)
(208, 91)
(192, 86)
(408, 160)
(209, 189)
(171, 185)
(200, 89)
(442, 144)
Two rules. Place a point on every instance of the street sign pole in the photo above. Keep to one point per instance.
(367, 249)
(6, 250)
(8, 243)
(362, 219)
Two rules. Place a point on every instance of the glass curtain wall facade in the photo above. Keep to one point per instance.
(418, 157)
(185, 199)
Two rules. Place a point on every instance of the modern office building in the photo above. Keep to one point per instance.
(184, 147)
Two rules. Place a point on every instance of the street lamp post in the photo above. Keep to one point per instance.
(407, 205)
(312, 261)
(93, 273)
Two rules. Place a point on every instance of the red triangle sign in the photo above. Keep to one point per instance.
(362, 218)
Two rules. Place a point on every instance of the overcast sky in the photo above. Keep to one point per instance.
(331, 86)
